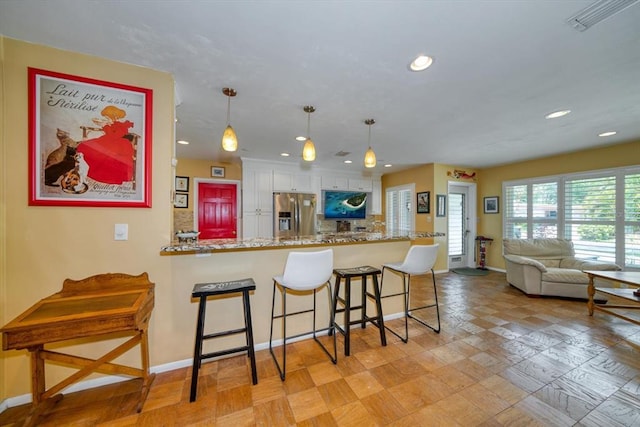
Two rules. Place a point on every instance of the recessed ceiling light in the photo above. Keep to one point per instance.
(422, 62)
(183, 142)
(608, 133)
(557, 114)
(388, 165)
(284, 154)
(348, 162)
(301, 138)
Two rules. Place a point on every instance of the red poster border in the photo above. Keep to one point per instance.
(34, 199)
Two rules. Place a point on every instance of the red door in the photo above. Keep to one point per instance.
(217, 210)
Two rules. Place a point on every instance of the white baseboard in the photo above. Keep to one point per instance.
(10, 402)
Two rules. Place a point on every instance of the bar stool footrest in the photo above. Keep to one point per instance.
(224, 334)
(224, 352)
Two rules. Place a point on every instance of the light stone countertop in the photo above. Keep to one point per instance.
(324, 239)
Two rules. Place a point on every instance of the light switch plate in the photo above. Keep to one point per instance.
(121, 232)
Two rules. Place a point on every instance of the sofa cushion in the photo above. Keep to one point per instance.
(539, 248)
(565, 275)
(551, 263)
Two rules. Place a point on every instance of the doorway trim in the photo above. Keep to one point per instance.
(196, 197)
(472, 209)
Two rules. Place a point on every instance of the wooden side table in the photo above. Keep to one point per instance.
(93, 307)
(626, 277)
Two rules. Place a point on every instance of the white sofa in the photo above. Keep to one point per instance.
(548, 267)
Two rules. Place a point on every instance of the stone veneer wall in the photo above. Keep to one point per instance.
(182, 220)
(370, 224)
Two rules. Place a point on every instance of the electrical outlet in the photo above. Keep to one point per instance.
(121, 232)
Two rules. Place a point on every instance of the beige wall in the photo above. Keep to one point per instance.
(197, 168)
(490, 182)
(41, 246)
(435, 179)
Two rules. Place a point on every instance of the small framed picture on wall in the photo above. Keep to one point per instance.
(441, 205)
(423, 202)
(181, 200)
(182, 183)
(491, 205)
(217, 172)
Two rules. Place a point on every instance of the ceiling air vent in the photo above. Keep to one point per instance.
(597, 12)
(342, 153)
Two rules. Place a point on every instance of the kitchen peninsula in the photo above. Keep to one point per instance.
(262, 258)
(322, 239)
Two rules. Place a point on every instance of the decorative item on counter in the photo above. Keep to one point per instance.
(185, 237)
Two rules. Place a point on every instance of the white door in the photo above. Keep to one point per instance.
(461, 227)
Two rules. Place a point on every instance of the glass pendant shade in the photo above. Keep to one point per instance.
(229, 139)
(309, 151)
(369, 156)
(370, 159)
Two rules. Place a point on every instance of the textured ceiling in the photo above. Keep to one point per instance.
(500, 66)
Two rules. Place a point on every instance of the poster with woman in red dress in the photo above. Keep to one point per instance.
(90, 142)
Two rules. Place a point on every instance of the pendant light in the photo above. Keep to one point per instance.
(229, 138)
(309, 150)
(369, 156)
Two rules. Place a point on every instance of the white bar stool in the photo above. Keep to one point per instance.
(303, 272)
(418, 261)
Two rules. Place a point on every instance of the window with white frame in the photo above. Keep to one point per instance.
(399, 208)
(598, 210)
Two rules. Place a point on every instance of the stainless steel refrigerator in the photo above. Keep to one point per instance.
(294, 214)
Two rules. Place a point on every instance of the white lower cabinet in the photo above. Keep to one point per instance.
(257, 224)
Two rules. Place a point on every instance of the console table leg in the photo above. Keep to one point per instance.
(591, 290)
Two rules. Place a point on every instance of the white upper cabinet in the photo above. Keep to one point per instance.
(257, 194)
(361, 184)
(288, 181)
(376, 197)
(335, 182)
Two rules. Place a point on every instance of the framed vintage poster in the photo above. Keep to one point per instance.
(89, 142)
(423, 202)
(491, 205)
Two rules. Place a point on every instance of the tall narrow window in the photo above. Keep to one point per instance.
(457, 224)
(399, 209)
(590, 216)
(516, 215)
(631, 229)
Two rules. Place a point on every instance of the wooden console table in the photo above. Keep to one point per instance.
(625, 277)
(91, 307)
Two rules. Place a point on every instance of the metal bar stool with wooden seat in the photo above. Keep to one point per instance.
(304, 272)
(418, 261)
(347, 274)
(204, 290)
